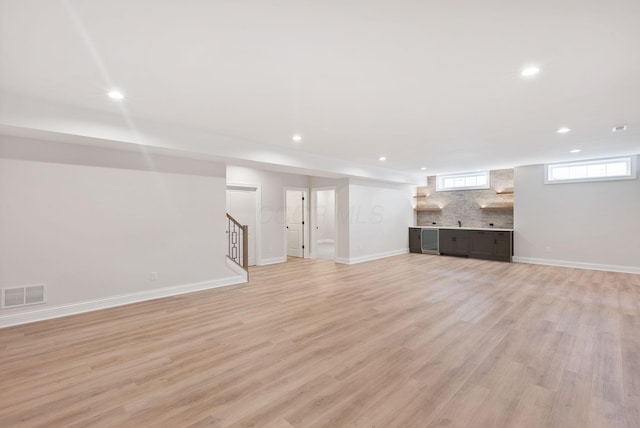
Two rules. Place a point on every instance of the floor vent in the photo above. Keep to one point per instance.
(22, 296)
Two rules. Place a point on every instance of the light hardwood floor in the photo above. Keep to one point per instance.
(407, 341)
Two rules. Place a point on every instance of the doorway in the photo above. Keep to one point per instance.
(296, 213)
(243, 205)
(323, 207)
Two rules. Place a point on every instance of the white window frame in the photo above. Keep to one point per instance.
(630, 160)
(440, 181)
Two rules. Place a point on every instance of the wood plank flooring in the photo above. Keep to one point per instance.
(407, 341)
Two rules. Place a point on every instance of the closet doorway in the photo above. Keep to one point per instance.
(323, 203)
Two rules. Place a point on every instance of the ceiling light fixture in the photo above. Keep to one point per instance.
(116, 95)
(382, 158)
(575, 151)
(563, 130)
(424, 168)
(619, 128)
(530, 71)
(297, 138)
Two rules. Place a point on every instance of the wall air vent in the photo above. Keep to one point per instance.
(22, 296)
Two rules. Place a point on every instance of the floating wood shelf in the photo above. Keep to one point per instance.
(505, 191)
(498, 206)
(430, 208)
(420, 195)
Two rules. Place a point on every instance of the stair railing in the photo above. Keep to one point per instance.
(237, 243)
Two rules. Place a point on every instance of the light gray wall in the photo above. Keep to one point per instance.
(592, 224)
(379, 217)
(326, 215)
(343, 239)
(93, 223)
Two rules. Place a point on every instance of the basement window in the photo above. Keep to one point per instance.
(464, 181)
(620, 168)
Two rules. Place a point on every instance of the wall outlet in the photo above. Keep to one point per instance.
(153, 276)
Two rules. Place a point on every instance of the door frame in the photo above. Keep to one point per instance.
(258, 189)
(305, 219)
(314, 219)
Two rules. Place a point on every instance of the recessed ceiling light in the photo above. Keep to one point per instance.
(619, 128)
(424, 168)
(532, 70)
(575, 151)
(382, 158)
(116, 95)
(297, 138)
(563, 130)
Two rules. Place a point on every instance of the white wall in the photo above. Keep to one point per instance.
(326, 200)
(272, 212)
(594, 225)
(93, 224)
(379, 217)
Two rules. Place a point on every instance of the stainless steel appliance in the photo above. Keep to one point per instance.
(430, 241)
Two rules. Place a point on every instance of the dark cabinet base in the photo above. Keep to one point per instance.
(478, 244)
(454, 242)
(491, 245)
(415, 243)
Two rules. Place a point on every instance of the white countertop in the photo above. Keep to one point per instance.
(495, 229)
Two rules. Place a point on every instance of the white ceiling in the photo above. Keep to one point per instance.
(424, 83)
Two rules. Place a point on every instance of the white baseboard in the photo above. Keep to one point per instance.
(273, 261)
(578, 265)
(371, 257)
(109, 302)
(237, 269)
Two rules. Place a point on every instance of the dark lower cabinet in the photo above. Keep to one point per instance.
(414, 240)
(454, 242)
(478, 244)
(504, 246)
(482, 244)
(490, 245)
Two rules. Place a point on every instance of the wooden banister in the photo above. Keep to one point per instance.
(237, 243)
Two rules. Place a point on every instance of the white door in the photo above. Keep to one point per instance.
(294, 224)
(241, 205)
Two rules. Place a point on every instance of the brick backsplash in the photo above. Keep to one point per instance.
(464, 205)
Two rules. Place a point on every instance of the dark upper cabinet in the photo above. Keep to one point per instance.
(414, 240)
(454, 242)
